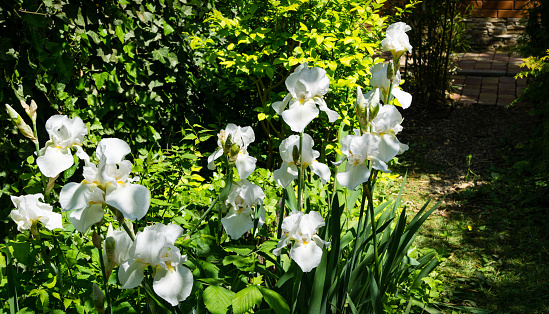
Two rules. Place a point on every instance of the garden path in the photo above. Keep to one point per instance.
(487, 78)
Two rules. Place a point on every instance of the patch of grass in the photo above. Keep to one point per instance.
(494, 238)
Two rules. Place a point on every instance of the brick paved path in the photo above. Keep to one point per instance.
(487, 78)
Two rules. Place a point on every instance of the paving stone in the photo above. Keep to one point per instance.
(471, 91)
(459, 77)
(507, 92)
(499, 67)
(504, 102)
(507, 85)
(483, 66)
(490, 88)
(522, 82)
(467, 100)
(489, 80)
(507, 79)
(488, 99)
(473, 80)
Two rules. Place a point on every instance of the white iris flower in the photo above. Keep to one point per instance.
(307, 86)
(108, 183)
(243, 197)
(234, 141)
(381, 80)
(65, 133)
(397, 42)
(288, 170)
(155, 247)
(30, 211)
(358, 150)
(301, 229)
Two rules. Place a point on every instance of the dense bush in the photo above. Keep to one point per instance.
(439, 30)
(535, 39)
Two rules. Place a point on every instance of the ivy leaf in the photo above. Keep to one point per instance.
(100, 79)
(161, 54)
(245, 299)
(217, 299)
(119, 33)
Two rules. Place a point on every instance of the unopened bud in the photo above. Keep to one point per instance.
(96, 240)
(98, 299)
(109, 255)
(235, 149)
(295, 156)
(23, 127)
(227, 145)
(30, 110)
(390, 71)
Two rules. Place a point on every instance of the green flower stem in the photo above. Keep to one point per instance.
(71, 277)
(103, 272)
(223, 197)
(203, 216)
(300, 174)
(37, 148)
(128, 231)
(368, 192)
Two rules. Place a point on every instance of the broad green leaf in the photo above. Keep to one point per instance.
(119, 31)
(161, 54)
(275, 301)
(100, 79)
(245, 299)
(217, 299)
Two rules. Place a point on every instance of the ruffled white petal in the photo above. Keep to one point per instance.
(236, 224)
(332, 115)
(132, 200)
(389, 146)
(131, 274)
(310, 223)
(306, 255)
(173, 285)
(51, 220)
(112, 150)
(285, 174)
(75, 195)
(280, 106)
(404, 98)
(218, 153)
(321, 170)
(245, 165)
(298, 116)
(83, 219)
(353, 175)
(54, 161)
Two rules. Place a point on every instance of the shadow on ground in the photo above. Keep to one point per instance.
(493, 224)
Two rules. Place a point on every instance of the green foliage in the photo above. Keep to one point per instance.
(256, 46)
(535, 39)
(438, 31)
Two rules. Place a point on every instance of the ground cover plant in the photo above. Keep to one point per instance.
(102, 232)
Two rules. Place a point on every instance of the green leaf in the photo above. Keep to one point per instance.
(119, 33)
(275, 300)
(245, 299)
(269, 72)
(217, 299)
(100, 79)
(161, 54)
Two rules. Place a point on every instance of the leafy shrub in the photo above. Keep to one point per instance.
(439, 32)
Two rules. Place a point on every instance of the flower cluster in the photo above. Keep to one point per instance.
(155, 247)
(300, 230)
(108, 183)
